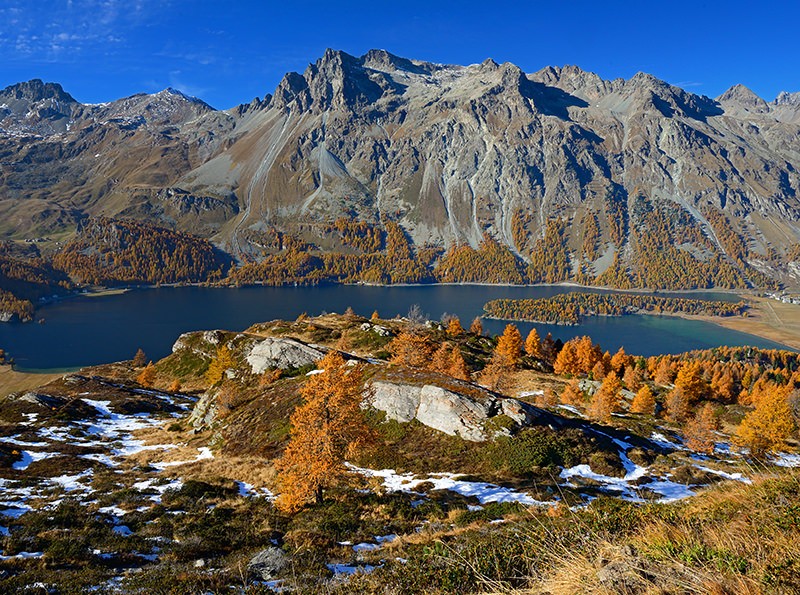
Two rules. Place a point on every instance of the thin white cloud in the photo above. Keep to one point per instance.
(177, 82)
(69, 27)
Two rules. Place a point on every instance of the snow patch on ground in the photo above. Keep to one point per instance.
(483, 492)
(661, 440)
(17, 442)
(350, 569)
(160, 488)
(731, 476)
(23, 556)
(624, 486)
(247, 490)
(29, 457)
(531, 393)
(204, 454)
(571, 409)
(786, 459)
(72, 483)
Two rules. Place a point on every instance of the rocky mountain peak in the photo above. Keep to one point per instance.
(489, 65)
(388, 62)
(172, 93)
(785, 98)
(35, 107)
(293, 88)
(743, 97)
(339, 80)
(36, 90)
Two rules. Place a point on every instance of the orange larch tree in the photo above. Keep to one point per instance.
(567, 362)
(326, 429)
(770, 424)
(533, 344)
(509, 346)
(476, 328)
(644, 402)
(690, 380)
(699, 432)
(412, 349)
(454, 328)
(440, 362)
(573, 395)
(607, 399)
(664, 374)
(587, 352)
(676, 405)
(621, 360)
(147, 377)
(458, 367)
(221, 363)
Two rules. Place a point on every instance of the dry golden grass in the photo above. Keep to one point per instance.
(721, 543)
(12, 381)
(253, 470)
(530, 380)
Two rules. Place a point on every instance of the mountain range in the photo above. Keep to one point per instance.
(453, 154)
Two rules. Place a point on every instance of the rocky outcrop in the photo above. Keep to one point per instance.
(282, 354)
(463, 409)
(204, 411)
(43, 400)
(267, 563)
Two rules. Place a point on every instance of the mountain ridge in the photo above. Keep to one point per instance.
(450, 152)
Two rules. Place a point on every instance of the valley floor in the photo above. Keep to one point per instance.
(768, 318)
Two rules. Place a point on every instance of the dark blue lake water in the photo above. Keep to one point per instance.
(92, 330)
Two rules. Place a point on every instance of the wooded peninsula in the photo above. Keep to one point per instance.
(570, 308)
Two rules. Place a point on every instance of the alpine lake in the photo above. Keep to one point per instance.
(87, 330)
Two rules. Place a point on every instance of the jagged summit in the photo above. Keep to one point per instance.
(742, 96)
(36, 90)
(785, 98)
(386, 61)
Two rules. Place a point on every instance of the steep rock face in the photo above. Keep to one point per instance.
(466, 413)
(36, 108)
(450, 152)
(453, 152)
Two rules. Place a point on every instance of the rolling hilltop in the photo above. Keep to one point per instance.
(603, 178)
(478, 467)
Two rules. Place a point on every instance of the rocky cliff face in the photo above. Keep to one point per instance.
(450, 152)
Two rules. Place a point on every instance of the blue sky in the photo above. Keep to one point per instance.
(229, 52)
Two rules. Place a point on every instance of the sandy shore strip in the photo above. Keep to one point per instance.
(12, 381)
(766, 318)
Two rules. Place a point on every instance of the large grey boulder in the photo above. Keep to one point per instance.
(267, 563)
(282, 353)
(466, 411)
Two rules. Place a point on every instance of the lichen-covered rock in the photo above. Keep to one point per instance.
(281, 353)
(463, 414)
(453, 413)
(267, 563)
(204, 411)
